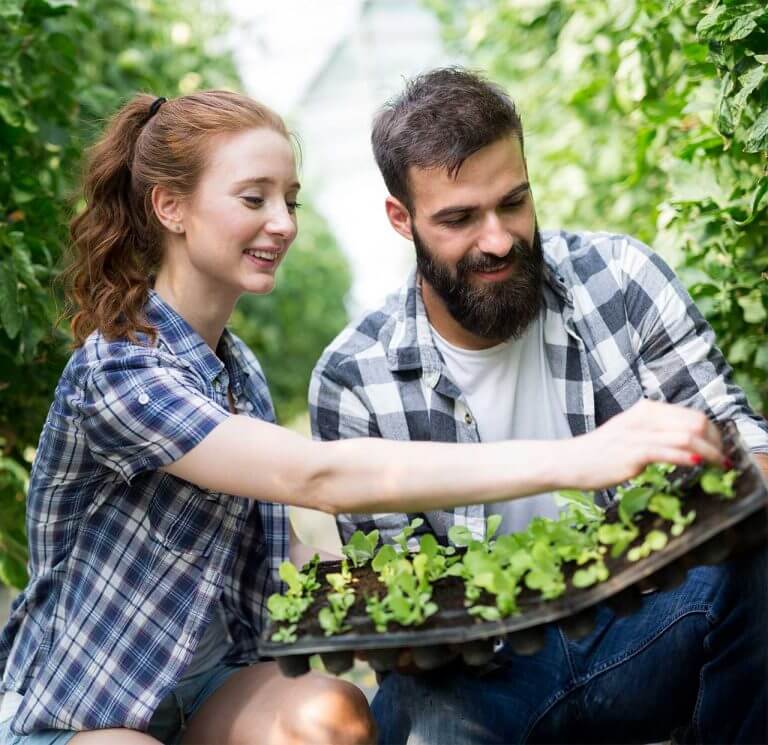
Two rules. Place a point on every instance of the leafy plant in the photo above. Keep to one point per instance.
(291, 606)
(401, 539)
(715, 481)
(500, 567)
(361, 547)
(331, 618)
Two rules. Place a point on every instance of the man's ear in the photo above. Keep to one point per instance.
(399, 217)
(168, 209)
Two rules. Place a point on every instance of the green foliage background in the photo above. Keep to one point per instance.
(65, 66)
(648, 117)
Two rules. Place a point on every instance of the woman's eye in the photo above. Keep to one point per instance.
(292, 206)
(253, 201)
(512, 205)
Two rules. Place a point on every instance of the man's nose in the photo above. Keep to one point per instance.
(495, 238)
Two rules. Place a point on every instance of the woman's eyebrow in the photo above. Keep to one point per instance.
(264, 180)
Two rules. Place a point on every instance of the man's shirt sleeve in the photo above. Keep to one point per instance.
(678, 359)
(141, 413)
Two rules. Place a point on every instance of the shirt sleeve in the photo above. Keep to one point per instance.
(142, 412)
(678, 359)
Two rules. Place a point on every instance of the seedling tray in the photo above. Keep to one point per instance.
(721, 528)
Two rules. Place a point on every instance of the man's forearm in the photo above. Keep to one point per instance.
(762, 462)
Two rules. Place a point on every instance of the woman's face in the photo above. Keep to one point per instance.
(241, 219)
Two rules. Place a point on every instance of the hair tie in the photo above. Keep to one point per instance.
(156, 104)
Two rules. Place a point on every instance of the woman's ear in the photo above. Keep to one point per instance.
(399, 217)
(168, 209)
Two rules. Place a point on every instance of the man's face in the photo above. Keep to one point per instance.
(477, 242)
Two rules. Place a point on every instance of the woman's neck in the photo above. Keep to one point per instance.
(204, 309)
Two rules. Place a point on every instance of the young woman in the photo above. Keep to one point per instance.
(157, 505)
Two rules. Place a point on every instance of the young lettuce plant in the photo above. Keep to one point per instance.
(361, 547)
(289, 608)
(401, 539)
(715, 481)
(332, 616)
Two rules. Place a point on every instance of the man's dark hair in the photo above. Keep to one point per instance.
(439, 120)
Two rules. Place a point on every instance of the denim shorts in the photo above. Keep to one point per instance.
(168, 722)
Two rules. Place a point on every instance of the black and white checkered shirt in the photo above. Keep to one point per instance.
(618, 326)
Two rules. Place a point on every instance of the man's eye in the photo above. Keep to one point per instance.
(512, 205)
(460, 220)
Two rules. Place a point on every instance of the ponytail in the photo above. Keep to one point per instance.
(114, 246)
(116, 241)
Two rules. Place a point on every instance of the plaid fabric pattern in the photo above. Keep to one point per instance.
(127, 563)
(618, 325)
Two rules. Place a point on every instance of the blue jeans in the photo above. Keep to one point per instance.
(168, 722)
(692, 661)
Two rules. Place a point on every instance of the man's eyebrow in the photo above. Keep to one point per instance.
(264, 180)
(517, 191)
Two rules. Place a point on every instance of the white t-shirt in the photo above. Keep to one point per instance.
(511, 395)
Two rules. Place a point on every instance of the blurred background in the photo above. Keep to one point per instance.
(643, 116)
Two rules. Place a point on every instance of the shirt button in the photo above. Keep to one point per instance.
(468, 418)
(143, 399)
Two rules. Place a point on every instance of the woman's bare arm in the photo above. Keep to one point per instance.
(255, 459)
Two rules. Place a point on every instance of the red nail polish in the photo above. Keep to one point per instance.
(696, 459)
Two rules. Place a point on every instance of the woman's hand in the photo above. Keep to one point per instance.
(647, 433)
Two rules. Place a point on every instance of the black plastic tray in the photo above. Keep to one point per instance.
(737, 524)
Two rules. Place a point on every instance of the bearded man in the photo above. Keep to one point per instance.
(505, 332)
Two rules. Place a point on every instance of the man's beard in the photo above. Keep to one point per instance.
(492, 310)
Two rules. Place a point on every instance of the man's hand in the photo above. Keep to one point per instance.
(649, 432)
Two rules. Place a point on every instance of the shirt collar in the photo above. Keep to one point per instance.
(183, 341)
(407, 337)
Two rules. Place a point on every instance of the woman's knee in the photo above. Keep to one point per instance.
(331, 711)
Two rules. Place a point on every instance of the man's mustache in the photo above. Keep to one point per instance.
(490, 263)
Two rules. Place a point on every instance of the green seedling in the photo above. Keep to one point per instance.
(581, 508)
(716, 481)
(285, 634)
(409, 603)
(331, 618)
(301, 587)
(655, 475)
(461, 536)
(633, 501)
(590, 575)
(361, 547)
(656, 540)
(385, 555)
(378, 611)
(401, 539)
(545, 574)
(301, 583)
(670, 508)
(617, 535)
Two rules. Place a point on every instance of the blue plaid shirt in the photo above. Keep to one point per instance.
(618, 325)
(128, 563)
